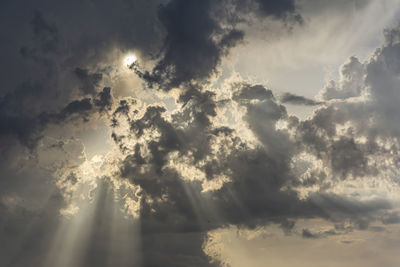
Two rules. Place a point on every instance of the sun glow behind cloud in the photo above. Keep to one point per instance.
(130, 59)
(185, 153)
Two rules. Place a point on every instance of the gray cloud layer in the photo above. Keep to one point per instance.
(51, 81)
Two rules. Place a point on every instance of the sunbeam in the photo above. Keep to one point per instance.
(99, 234)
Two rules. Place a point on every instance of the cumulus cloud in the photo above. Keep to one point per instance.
(351, 82)
(176, 171)
(253, 195)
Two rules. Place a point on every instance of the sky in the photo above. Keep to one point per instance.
(181, 133)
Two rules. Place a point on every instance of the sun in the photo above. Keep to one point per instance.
(130, 59)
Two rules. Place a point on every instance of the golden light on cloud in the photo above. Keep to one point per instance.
(174, 135)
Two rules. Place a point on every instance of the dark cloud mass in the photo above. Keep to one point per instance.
(199, 33)
(298, 100)
(168, 171)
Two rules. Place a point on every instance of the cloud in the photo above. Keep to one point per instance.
(253, 194)
(191, 51)
(351, 82)
(89, 81)
(29, 129)
(193, 170)
(298, 100)
(307, 234)
(199, 34)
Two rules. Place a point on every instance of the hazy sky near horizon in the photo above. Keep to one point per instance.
(200, 133)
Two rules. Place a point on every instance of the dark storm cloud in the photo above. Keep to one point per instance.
(262, 116)
(190, 49)
(48, 58)
(75, 107)
(199, 33)
(298, 100)
(46, 33)
(28, 129)
(276, 8)
(89, 80)
(183, 208)
(104, 100)
(50, 75)
(265, 8)
(381, 78)
(252, 197)
(249, 92)
(187, 38)
(194, 139)
(372, 117)
(347, 157)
